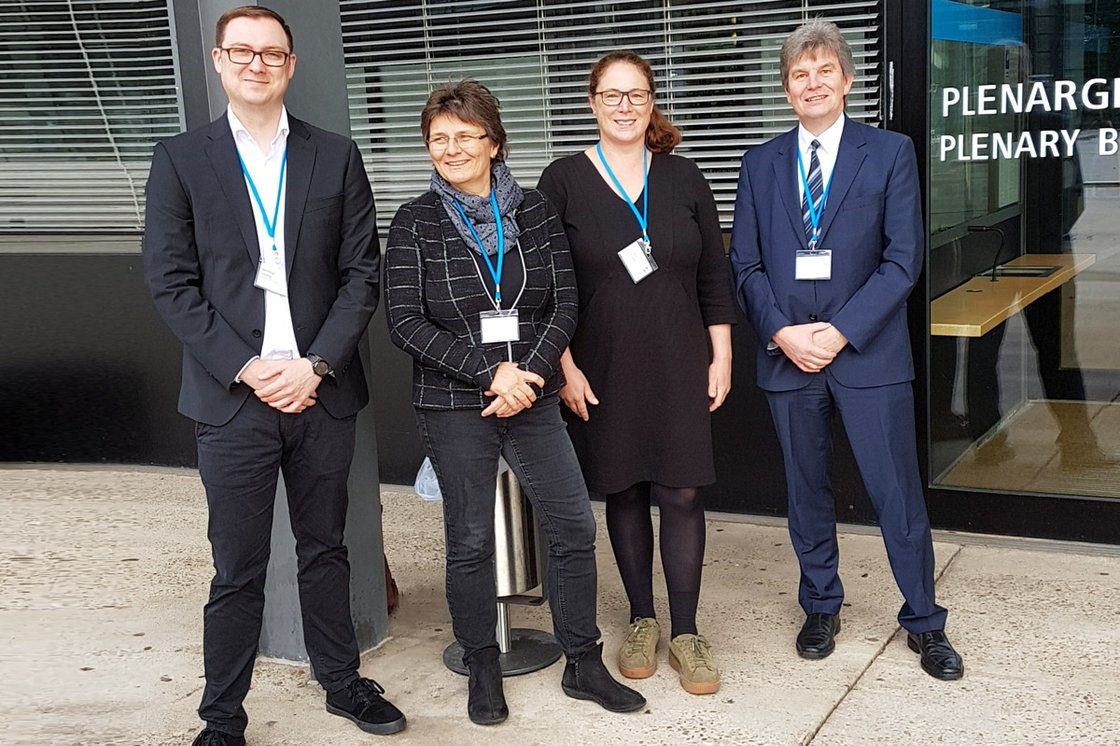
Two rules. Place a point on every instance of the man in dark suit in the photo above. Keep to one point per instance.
(827, 245)
(260, 253)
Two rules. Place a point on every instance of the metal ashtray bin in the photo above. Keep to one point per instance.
(519, 561)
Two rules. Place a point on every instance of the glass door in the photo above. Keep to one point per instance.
(1024, 265)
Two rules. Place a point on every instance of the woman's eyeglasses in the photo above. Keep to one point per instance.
(461, 140)
(637, 96)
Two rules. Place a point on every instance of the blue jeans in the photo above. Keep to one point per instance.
(464, 449)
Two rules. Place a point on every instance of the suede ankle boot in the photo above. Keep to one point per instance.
(585, 677)
(486, 702)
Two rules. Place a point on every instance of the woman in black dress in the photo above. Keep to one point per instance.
(651, 355)
(479, 291)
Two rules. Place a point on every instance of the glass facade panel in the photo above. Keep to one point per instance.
(1024, 265)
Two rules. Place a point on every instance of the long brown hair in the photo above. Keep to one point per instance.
(661, 135)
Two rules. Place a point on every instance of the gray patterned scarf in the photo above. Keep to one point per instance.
(479, 211)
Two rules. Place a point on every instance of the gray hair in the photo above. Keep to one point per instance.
(811, 37)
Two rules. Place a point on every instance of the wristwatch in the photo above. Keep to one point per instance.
(319, 366)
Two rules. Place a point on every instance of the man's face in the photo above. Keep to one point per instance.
(815, 88)
(254, 84)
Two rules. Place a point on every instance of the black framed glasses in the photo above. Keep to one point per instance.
(244, 56)
(464, 141)
(636, 96)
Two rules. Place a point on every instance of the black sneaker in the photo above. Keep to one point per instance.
(362, 703)
(211, 737)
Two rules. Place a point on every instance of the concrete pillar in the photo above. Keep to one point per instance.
(318, 95)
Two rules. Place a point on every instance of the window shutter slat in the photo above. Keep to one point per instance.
(87, 89)
(716, 66)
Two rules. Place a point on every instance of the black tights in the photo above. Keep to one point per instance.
(682, 548)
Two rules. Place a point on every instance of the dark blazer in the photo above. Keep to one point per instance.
(201, 254)
(873, 224)
(434, 295)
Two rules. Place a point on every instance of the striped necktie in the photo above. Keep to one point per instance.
(816, 188)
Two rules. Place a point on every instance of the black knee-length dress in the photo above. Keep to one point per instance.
(644, 347)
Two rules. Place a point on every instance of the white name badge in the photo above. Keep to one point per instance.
(813, 264)
(499, 326)
(638, 260)
(270, 277)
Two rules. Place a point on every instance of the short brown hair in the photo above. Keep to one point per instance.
(810, 37)
(251, 11)
(472, 102)
(661, 135)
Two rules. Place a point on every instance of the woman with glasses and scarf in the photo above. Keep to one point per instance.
(651, 357)
(480, 291)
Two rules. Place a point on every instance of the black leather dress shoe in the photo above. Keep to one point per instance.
(486, 701)
(939, 659)
(817, 638)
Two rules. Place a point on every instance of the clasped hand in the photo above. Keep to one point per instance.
(811, 347)
(286, 385)
(512, 389)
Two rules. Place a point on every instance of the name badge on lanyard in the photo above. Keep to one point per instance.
(637, 257)
(637, 260)
(270, 272)
(499, 325)
(813, 263)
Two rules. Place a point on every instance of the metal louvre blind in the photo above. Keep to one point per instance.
(716, 65)
(86, 89)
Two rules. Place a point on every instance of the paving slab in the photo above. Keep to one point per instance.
(104, 571)
(1041, 640)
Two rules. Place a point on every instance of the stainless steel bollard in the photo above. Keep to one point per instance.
(517, 560)
(518, 567)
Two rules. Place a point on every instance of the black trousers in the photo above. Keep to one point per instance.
(239, 463)
(464, 449)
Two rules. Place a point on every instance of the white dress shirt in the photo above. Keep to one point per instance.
(826, 153)
(279, 341)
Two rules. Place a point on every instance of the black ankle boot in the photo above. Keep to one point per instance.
(486, 703)
(586, 677)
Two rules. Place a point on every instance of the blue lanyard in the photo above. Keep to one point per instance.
(643, 216)
(815, 211)
(269, 225)
(496, 273)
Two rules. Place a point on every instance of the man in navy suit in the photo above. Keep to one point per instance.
(827, 245)
(261, 255)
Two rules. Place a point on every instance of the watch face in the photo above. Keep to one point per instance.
(320, 367)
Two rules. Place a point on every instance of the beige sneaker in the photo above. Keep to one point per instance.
(691, 657)
(637, 658)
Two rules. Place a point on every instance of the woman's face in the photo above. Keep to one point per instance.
(623, 123)
(460, 156)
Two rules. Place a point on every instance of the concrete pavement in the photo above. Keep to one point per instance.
(104, 572)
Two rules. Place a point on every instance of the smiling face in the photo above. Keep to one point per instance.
(625, 123)
(464, 163)
(254, 86)
(816, 88)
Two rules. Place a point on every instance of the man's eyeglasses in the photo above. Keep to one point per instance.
(244, 56)
(637, 96)
(462, 140)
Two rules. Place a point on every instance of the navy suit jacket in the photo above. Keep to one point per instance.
(873, 225)
(201, 254)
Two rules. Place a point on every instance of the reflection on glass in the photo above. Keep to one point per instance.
(1030, 403)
